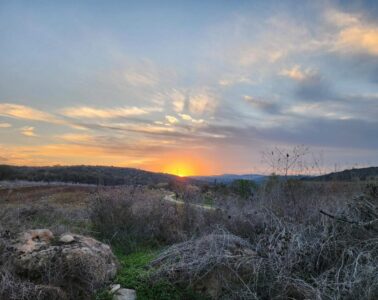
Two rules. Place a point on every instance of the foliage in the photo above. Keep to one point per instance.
(135, 274)
(244, 188)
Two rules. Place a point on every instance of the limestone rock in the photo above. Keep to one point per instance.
(113, 288)
(74, 263)
(66, 238)
(125, 294)
(32, 240)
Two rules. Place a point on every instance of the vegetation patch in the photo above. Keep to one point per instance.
(135, 273)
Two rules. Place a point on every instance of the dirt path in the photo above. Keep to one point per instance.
(171, 198)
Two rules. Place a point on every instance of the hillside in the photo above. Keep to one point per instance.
(349, 175)
(228, 178)
(98, 175)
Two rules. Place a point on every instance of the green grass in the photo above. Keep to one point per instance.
(208, 201)
(134, 274)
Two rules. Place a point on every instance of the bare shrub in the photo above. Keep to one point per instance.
(13, 288)
(205, 263)
(131, 216)
(335, 257)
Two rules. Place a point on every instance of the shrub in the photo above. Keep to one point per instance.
(333, 258)
(134, 216)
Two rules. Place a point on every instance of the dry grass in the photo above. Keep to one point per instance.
(61, 209)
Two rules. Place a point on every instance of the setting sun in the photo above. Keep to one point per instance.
(180, 169)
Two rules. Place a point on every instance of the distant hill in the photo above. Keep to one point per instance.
(349, 175)
(346, 175)
(98, 175)
(228, 178)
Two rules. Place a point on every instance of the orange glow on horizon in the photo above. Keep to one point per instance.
(179, 169)
(180, 163)
(183, 165)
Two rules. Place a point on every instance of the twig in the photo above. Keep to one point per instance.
(337, 218)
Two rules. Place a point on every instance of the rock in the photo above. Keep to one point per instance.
(113, 288)
(125, 294)
(76, 263)
(66, 238)
(32, 240)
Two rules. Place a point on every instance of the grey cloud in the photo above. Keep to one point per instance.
(336, 133)
(314, 88)
(263, 104)
(313, 132)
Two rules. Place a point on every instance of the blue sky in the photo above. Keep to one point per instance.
(205, 84)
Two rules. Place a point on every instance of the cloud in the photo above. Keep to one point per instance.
(319, 110)
(137, 78)
(314, 88)
(5, 125)
(267, 42)
(296, 73)
(28, 131)
(189, 118)
(202, 102)
(341, 19)
(178, 100)
(334, 133)
(264, 105)
(234, 79)
(171, 119)
(27, 113)
(75, 137)
(358, 39)
(105, 113)
(355, 34)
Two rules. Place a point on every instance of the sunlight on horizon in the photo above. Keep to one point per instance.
(180, 169)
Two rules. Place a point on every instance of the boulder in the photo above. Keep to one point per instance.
(74, 264)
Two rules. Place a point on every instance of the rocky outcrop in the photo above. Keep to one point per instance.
(68, 267)
(124, 294)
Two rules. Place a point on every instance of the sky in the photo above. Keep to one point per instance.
(188, 87)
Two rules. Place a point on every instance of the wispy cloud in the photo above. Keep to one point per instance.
(27, 113)
(5, 125)
(75, 137)
(297, 73)
(178, 100)
(138, 78)
(187, 117)
(105, 113)
(28, 131)
(172, 119)
(260, 104)
(202, 102)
